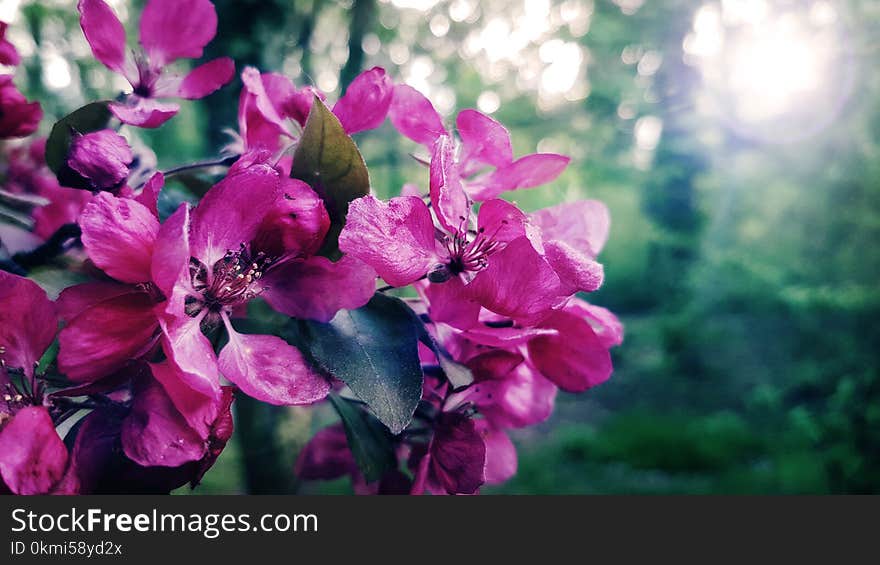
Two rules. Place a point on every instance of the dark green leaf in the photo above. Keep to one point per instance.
(91, 117)
(329, 161)
(374, 350)
(368, 440)
(48, 357)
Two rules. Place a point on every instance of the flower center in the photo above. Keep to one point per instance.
(147, 78)
(470, 256)
(233, 280)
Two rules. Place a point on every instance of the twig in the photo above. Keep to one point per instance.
(223, 162)
(58, 243)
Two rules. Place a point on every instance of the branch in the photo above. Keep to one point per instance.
(58, 243)
(222, 162)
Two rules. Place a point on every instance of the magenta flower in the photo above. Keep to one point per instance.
(33, 459)
(169, 30)
(485, 162)
(18, 117)
(8, 53)
(272, 110)
(577, 358)
(101, 160)
(505, 263)
(212, 261)
(111, 323)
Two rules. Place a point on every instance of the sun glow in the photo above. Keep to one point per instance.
(765, 67)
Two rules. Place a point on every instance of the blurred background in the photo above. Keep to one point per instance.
(737, 144)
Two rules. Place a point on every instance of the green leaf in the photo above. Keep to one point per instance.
(91, 117)
(48, 357)
(330, 162)
(374, 350)
(368, 440)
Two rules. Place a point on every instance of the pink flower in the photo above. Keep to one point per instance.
(8, 52)
(485, 157)
(111, 323)
(272, 110)
(169, 30)
(577, 357)
(210, 263)
(18, 117)
(512, 264)
(33, 459)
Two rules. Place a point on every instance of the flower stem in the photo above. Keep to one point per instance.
(222, 162)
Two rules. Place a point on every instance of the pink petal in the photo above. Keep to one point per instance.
(175, 29)
(144, 112)
(603, 321)
(199, 410)
(206, 78)
(34, 457)
(107, 335)
(156, 434)
(583, 224)
(504, 337)
(149, 194)
(191, 355)
(8, 54)
(500, 453)
(415, 117)
(396, 237)
(28, 322)
(450, 302)
(119, 234)
(74, 300)
(296, 225)
(484, 141)
(18, 117)
(458, 454)
(366, 101)
(526, 172)
(267, 368)
(524, 398)
(262, 107)
(231, 212)
(104, 32)
(450, 202)
(326, 456)
(575, 360)
(577, 272)
(503, 221)
(518, 283)
(316, 289)
(171, 251)
(65, 207)
(494, 364)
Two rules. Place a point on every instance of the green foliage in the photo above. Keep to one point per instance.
(373, 350)
(329, 161)
(367, 438)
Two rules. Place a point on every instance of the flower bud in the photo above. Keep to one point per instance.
(101, 158)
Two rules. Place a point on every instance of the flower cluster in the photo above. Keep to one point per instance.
(167, 322)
